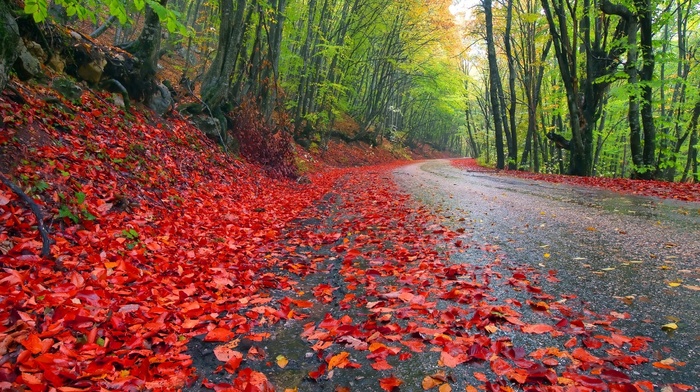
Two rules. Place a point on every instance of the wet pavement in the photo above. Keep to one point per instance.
(616, 252)
(594, 253)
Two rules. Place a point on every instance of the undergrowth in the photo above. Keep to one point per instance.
(262, 144)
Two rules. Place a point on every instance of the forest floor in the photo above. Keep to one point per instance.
(176, 266)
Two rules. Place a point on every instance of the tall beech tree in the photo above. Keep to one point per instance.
(642, 142)
(587, 56)
(495, 89)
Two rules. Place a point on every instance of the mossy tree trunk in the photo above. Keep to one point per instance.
(9, 38)
(146, 48)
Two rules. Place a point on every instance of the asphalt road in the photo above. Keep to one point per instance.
(616, 252)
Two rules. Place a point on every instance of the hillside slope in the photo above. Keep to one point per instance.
(153, 229)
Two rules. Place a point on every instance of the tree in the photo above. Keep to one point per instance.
(584, 90)
(216, 84)
(146, 48)
(9, 38)
(641, 143)
(495, 85)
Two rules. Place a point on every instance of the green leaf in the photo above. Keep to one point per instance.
(80, 197)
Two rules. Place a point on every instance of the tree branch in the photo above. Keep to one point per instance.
(45, 249)
(559, 140)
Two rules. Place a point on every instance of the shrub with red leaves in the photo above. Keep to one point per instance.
(262, 144)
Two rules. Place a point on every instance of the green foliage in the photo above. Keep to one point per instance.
(132, 237)
(89, 9)
(130, 234)
(75, 208)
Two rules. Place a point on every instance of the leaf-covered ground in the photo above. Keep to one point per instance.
(669, 190)
(163, 244)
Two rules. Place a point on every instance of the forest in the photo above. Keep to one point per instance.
(235, 196)
(487, 80)
(612, 86)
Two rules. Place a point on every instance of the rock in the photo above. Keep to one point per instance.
(57, 63)
(303, 180)
(26, 65)
(9, 38)
(35, 50)
(209, 125)
(118, 100)
(92, 71)
(161, 102)
(67, 88)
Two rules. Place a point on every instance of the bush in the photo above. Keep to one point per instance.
(259, 143)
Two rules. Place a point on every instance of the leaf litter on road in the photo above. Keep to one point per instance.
(160, 239)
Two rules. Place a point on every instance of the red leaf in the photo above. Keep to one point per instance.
(500, 367)
(480, 376)
(614, 376)
(415, 345)
(584, 356)
(32, 343)
(537, 328)
(450, 361)
(233, 362)
(224, 353)
(219, 335)
(661, 365)
(316, 374)
(388, 384)
(338, 360)
(382, 365)
(251, 381)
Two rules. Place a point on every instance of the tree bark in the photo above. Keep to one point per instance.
(217, 81)
(513, 140)
(9, 39)
(146, 48)
(494, 81)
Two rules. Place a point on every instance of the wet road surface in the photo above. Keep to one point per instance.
(623, 253)
(597, 256)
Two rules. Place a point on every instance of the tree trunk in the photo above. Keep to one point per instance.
(494, 81)
(644, 15)
(513, 140)
(9, 39)
(217, 81)
(146, 48)
(271, 73)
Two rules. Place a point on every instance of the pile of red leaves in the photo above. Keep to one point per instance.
(154, 234)
(667, 190)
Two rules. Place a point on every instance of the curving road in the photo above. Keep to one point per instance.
(617, 252)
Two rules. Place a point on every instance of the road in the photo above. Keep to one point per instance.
(396, 268)
(616, 252)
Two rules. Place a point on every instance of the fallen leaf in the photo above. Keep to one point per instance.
(388, 384)
(430, 382)
(537, 328)
(224, 353)
(338, 360)
(669, 327)
(219, 335)
(381, 365)
(282, 361)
